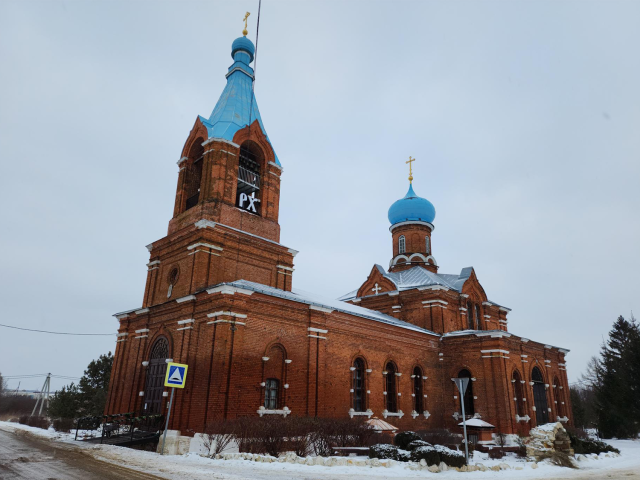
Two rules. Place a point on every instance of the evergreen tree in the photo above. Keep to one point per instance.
(616, 382)
(89, 396)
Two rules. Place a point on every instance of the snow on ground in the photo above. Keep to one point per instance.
(193, 466)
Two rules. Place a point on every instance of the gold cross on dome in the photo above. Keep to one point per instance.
(245, 31)
(410, 170)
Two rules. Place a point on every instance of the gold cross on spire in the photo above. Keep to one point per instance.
(245, 31)
(410, 170)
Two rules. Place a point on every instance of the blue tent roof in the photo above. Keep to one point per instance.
(234, 106)
(411, 207)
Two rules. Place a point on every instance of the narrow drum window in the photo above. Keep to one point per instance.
(401, 244)
(271, 394)
(390, 381)
(427, 244)
(358, 386)
(417, 390)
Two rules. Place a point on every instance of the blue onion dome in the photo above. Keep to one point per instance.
(244, 44)
(411, 208)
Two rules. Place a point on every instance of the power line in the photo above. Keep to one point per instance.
(56, 333)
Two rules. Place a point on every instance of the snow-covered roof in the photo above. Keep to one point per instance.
(319, 301)
(476, 422)
(381, 425)
(419, 277)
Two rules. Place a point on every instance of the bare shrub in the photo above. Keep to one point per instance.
(439, 436)
(299, 438)
(561, 459)
(39, 422)
(522, 446)
(16, 405)
(217, 435)
(63, 424)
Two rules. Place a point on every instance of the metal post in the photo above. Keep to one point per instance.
(464, 428)
(164, 435)
(40, 397)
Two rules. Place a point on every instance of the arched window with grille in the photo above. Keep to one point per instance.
(193, 174)
(418, 395)
(470, 320)
(359, 404)
(401, 244)
(518, 393)
(156, 371)
(427, 244)
(271, 391)
(248, 197)
(539, 396)
(469, 409)
(391, 400)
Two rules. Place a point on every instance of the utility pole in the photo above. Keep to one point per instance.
(41, 399)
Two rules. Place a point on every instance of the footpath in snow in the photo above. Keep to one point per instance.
(194, 466)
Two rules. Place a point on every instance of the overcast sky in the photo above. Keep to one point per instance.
(524, 118)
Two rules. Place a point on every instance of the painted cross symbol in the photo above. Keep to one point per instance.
(376, 289)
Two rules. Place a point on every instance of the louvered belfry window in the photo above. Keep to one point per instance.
(193, 175)
(249, 181)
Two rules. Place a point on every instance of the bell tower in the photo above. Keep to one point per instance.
(411, 220)
(225, 217)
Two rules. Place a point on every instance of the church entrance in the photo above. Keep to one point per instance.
(540, 397)
(156, 371)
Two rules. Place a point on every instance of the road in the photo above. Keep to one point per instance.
(26, 457)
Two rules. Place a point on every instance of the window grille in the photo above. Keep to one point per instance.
(539, 397)
(248, 175)
(417, 390)
(392, 398)
(358, 386)
(271, 394)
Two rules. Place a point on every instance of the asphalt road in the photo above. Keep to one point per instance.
(26, 457)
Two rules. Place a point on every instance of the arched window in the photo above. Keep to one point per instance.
(156, 370)
(539, 397)
(401, 244)
(557, 394)
(427, 244)
(518, 393)
(173, 279)
(272, 388)
(248, 196)
(470, 316)
(476, 314)
(274, 373)
(358, 386)
(390, 386)
(418, 396)
(193, 177)
(469, 409)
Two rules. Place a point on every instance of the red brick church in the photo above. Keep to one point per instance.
(219, 297)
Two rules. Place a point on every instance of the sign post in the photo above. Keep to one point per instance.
(462, 384)
(176, 378)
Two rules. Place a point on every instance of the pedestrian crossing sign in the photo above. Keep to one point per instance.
(176, 375)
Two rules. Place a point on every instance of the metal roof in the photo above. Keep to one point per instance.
(237, 106)
(319, 301)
